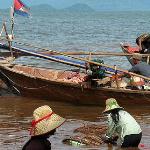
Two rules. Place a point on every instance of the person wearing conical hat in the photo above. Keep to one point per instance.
(122, 124)
(43, 126)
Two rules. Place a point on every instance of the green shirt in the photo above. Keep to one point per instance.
(126, 125)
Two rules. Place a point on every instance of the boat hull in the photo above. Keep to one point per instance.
(29, 86)
(131, 50)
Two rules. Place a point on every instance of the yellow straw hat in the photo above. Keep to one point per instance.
(111, 104)
(45, 120)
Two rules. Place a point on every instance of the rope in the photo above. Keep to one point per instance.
(13, 83)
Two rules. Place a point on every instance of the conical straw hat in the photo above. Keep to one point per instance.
(111, 104)
(45, 120)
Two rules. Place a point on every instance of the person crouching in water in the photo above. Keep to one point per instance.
(122, 124)
(43, 126)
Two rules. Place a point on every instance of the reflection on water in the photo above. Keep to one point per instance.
(16, 115)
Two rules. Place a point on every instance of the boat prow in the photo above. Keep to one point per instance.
(128, 49)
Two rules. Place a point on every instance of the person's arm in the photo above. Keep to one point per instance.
(140, 44)
(111, 127)
(134, 68)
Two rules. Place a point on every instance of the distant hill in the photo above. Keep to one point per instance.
(73, 8)
(102, 5)
(79, 8)
(93, 5)
(122, 5)
(43, 7)
(6, 9)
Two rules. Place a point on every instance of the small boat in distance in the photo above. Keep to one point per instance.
(128, 49)
(66, 86)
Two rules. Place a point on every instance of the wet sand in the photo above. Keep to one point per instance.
(16, 115)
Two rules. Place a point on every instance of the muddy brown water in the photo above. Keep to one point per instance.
(16, 115)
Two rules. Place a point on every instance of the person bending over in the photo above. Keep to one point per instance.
(122, 124)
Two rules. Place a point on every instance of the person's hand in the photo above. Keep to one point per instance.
(110, 140)
(115, 138)
(105, 138)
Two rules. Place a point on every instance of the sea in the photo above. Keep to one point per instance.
(70, 31)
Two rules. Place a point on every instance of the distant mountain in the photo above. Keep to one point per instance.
(6, 9)
(79, 8)
(100, 5)
(43, 7)
(92, 5)
(73, 8)
(122, 5)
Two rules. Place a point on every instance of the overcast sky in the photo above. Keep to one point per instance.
(92, 3)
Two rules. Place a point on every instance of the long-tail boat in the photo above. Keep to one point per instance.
(64, 85)
(57, 85)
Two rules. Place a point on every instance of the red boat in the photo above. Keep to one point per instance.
(128, 49)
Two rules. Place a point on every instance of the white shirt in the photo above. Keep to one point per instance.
(126, 125)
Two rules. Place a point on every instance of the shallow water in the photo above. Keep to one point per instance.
(16, 115)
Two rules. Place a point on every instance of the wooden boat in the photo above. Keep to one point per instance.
(128, 49)
(55, 85)
(1, 84)
(4, 90)
(47, 84)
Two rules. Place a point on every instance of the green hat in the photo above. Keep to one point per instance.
(111, 104)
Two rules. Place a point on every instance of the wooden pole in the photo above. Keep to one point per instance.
(12, 20)
(89, 61)
(99, 53)
(122, 70)
(116, 76)
(147, 59)
(90, 57)
(92, 62)
(8, 38)
(53, 52)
